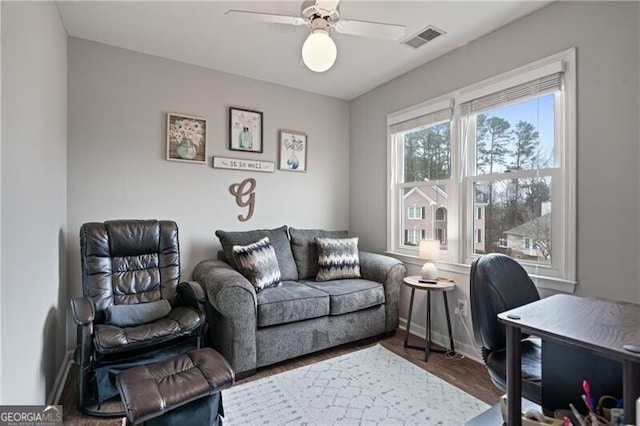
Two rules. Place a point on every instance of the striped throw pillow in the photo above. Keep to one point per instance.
(337, 258)
(258, 263)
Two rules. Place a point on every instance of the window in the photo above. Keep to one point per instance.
(413, 236)
(423, 152)
(416, 212)
(495, 162)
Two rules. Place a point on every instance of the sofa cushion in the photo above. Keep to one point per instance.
(305, 252)
(350, 295)
(337, 258)
(258, 263)
(279, 239)
(290, 302)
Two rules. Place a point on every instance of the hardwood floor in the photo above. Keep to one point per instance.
(466, 374)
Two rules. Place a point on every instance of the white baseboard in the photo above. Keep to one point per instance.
(61, 379)
(462, 348)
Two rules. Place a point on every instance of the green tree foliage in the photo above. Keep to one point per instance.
(526, 143)
(427, 153)
(492, 141)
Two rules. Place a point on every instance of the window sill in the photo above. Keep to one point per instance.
(547, 283)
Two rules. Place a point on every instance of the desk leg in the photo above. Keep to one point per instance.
(427, 344)
(630, 389)
(446, 310)
(514, 376)
(406, 335)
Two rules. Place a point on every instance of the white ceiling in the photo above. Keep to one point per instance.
(199, 33)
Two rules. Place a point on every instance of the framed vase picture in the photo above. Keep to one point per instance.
(293, 151)
(245, 130)
(186, 138)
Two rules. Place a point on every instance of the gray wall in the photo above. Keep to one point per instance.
(118, 100)
(34, 197)
(606, 35)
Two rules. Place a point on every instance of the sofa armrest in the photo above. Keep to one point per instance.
(83, 310)
(390, 272)
(231, 313)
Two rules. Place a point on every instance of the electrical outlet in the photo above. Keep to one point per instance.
(461, 308)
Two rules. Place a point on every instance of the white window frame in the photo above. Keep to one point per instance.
(394, 202)
(561, 275)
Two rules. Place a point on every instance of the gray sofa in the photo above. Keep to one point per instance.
(301, 316)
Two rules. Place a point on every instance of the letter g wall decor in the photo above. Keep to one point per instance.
(245, 196)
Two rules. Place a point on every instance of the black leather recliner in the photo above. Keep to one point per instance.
(499, 283)
(130, 262)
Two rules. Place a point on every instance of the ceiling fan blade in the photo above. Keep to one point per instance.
(266, 17)
(370, 29)
(327, 5)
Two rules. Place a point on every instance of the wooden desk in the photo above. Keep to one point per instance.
(601, 326)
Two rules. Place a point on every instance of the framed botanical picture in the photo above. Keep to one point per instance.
(293, 151)
(186, 138)
(245, 130)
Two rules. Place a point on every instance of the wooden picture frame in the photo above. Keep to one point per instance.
(186, 138)
(245, 130)
(293, 151)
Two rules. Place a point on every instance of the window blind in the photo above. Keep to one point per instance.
(513, 94)
(422, 121)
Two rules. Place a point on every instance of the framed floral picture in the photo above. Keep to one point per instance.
(186, 138)
(245, 130)
(293, 151)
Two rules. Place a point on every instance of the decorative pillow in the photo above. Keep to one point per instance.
(141, 313)
(305, 251)
(258, 264)
(337, 258)
(279, 239)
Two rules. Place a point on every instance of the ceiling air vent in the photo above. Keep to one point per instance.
(423, 37)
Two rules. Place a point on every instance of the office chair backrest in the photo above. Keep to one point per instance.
(497, 283)
(129, 262)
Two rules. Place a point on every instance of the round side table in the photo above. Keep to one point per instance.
(441, 285)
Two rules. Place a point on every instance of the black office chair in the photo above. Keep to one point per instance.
(135, 310)
(499, 283)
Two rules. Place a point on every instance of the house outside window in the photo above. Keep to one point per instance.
(497, 161)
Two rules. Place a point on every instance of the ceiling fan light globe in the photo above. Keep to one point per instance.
(319, 51)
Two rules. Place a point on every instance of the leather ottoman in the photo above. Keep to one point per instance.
(184, 388)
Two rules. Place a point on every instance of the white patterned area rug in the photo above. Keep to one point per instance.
(372, 386)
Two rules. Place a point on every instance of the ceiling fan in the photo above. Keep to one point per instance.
(319, 51)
